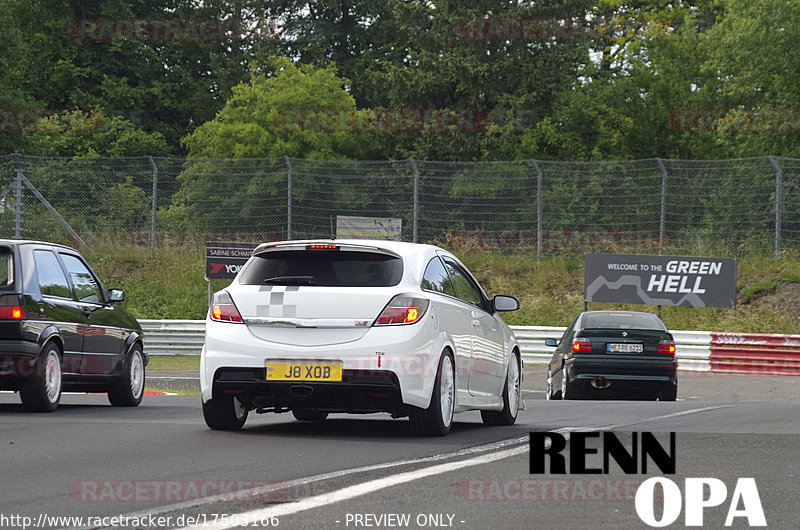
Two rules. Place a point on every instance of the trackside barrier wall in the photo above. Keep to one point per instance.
(699, 351)
(755, 353)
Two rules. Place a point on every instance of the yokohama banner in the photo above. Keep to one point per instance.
(660, 280)
(224, 258)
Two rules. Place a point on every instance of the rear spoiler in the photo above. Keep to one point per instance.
(333, 245)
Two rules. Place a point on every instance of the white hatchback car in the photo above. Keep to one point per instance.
(315, 327)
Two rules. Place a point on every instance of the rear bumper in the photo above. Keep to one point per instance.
(644, 369)
(17, 362)
(360, 391)
(409, 355)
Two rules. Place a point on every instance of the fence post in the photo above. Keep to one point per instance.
(415, 213)
(539, 223)
(288, 197)
(662, 225)
(778, 203)
(18, 196)
(153, 213)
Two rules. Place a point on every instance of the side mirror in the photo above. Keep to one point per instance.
(504, 302)
(116, 295)
(551, 342)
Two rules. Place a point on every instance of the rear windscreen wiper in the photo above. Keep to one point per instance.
(304, 280)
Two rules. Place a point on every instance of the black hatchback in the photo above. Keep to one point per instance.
(614, 354)
(61, 331)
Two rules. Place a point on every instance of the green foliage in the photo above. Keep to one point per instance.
(276, 114)
(754, 289)
(551, 291)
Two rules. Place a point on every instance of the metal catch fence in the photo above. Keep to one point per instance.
(724, 207)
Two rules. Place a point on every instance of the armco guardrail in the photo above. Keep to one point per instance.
(173, 337)
(699, 351)
(755, 353)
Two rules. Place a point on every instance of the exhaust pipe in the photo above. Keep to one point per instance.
(600, 382)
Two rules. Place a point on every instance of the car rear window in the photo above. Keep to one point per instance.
(331, 268)
(6, 268)
(622, 320)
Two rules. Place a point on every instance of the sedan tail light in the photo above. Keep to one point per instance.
(10, 308)
(403, 309)
(582, 346)
(224, 310)
(667, 347)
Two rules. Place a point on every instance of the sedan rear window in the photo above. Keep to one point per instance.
(622, 320)
(330, 268)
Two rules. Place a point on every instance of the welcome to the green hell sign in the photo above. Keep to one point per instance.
(172, 239)
(559, 240)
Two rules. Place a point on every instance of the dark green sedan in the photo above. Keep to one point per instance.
(613, 355)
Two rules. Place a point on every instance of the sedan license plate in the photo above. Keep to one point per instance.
(627, 347)
(304, 372)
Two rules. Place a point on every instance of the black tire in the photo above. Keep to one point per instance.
(550, 392)
(42, 392)
(569, 389)
(225, 413)
(669, 392)
(511, 397)
(309, 415)
(127, 391)
(437, 419)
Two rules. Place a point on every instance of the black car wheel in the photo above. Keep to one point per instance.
(438, 417)
(669, 392)
(309, 415)
(128, 390)
(569, 390)
(511, 398)
(42, 392)
(550, 393)
(225, 413)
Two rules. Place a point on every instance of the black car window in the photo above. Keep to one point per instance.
(52, 281)
(465, 290)
(87, 289)
(622, 320)
(6, 267)
(436, 278)
(330, 268)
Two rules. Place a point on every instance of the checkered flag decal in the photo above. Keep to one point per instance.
(277, 306)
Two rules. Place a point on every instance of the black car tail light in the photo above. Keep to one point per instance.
(667, 347)
(10, 308)
(582, 346)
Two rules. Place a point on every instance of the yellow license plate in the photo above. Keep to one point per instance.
(303, 372)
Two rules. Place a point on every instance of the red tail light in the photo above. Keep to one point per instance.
(12, 313)
(403, 309)
(582, 346)
(10, 309)
(667, 347)
(224, 310)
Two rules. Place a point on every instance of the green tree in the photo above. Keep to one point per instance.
(283, 110)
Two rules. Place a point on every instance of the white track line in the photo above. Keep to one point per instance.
(270, 489)
(362, 489)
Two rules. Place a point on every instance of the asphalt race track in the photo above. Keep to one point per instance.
(161, 467)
